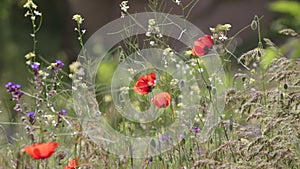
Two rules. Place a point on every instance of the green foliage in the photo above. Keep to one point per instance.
(288, 7)
(268, 57)
(291, 17)
(106, 71)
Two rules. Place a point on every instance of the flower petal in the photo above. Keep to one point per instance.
(41, 150)
(202, 45)
(161, 100)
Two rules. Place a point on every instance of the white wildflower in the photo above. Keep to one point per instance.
(78, 18)
(43, 74)
(159, 35)
(167, 51)
(107, 98)
(180, 104)
(174, 82)
(151, 22)
(37, 13)
(27, 14)
(131, 71)
(173, 59)
(29, 4)
(124, 6)
(153, 29)
(222, 37)
(177, 2)
(152, 43)
(74, 67)
(148, 34)
(32, 18)
(30, 55)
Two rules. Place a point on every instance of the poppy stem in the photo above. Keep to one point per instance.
(18, 160)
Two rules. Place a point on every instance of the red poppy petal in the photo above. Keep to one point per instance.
(161, 100)
(41, 150)
(152, 76)
(202, 45)
(145, 83)
(72, 164)
(141, 87)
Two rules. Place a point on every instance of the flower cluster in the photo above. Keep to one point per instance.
(124, 8)
(33, 118)
(78, 19)
(30, 4)
(145, 84)
(220, 32)
(153, 31)
(56, 67)
(15, 91)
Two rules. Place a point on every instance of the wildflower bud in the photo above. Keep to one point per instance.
(254, 25)
(61, 155)
(285, 86)
(214, 90)
(31, 115)
(23, 119)
(209, 87)
(27, 127)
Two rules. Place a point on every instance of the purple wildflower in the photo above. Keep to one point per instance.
(14, 89)
(8, 85)
(59, 63)
(35, 66)
(165, 137)
(16, 86)
(196, 129)
(63, 112)
(30, 115)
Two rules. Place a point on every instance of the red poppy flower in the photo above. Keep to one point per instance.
(145, 83)
(41, 150)
(72, 164)
(161, 100)
(202, 45)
